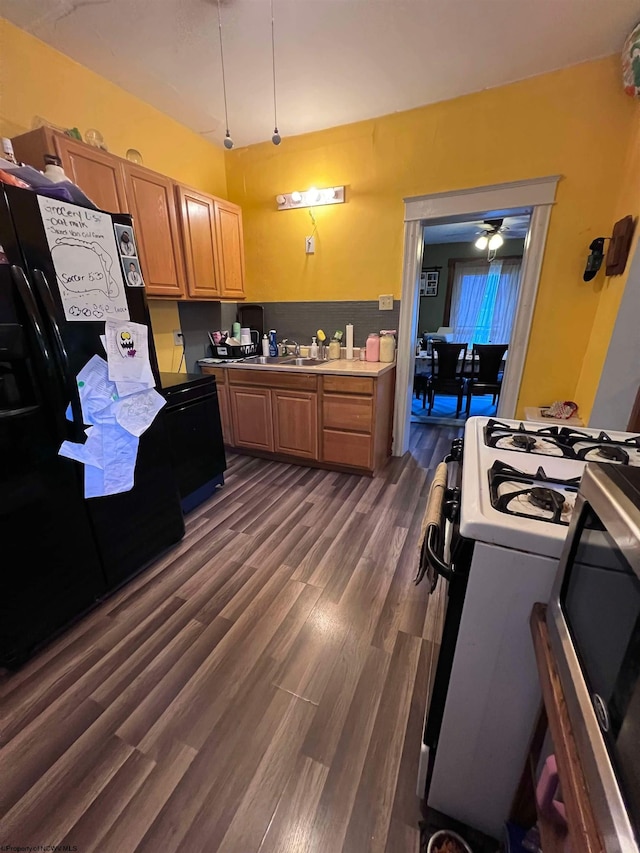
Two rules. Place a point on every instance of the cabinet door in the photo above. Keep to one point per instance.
(97, 173)
(197, 218)
(295, 420)
(251, 417)
(153, 204)
(230, 249)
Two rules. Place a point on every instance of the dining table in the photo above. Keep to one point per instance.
(423, 363)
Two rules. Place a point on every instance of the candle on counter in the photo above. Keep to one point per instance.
(349, 341)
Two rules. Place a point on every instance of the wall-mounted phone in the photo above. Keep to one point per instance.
(594, 261)
(618, 252)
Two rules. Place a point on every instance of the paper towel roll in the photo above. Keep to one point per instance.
(349, 341)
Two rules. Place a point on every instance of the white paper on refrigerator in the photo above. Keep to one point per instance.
(85, 257)
(127, 350)
(136, 412)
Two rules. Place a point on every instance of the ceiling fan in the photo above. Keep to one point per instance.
(491, 236)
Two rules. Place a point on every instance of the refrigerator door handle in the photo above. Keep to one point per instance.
(67, 380)
(10, 414)
(31, 307)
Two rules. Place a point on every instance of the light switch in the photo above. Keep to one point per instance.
(310, 245)
(385, 302)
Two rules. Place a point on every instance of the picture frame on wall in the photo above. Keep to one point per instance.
(429, 282)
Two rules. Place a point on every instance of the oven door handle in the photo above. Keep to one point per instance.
(431, 562)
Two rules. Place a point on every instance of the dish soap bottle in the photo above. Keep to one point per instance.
(273, 343)
(313, 352)
(265, 345)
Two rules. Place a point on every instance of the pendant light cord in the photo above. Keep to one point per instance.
(224, 82)
(273, 65)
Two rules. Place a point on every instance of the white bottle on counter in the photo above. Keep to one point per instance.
(265, 345)
(313, 352)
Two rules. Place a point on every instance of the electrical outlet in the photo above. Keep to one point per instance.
(177, 338)
(310, 245)
(385, 303)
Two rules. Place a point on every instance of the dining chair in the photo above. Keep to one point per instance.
(447, 371)
(486, 371)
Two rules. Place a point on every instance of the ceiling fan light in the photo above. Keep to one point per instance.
(482, 242)
(495, 241)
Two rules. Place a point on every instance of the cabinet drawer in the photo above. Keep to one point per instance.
(349, 384)
(219, 372)
(273, 379)
(342, 411)
(347, 448)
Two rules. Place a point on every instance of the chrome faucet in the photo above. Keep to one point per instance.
(296, 346)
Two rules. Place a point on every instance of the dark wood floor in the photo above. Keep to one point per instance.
(260, 688)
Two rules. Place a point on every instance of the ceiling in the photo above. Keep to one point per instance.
(515, 228)
(338, 61)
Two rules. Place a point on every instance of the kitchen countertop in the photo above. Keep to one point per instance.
(338, 366)
(178, 381)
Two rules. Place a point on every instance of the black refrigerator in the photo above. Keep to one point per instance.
(60, 551)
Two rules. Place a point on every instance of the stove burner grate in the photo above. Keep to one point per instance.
(536, 491)
(555, 440)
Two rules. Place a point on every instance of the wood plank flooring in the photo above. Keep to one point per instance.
(259, 689)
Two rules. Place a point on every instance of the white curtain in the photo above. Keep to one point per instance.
(483, 301)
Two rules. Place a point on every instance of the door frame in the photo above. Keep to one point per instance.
(537, 195)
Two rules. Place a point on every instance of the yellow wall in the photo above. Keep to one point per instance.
(575, 122)
(610, 289)
(36, 80)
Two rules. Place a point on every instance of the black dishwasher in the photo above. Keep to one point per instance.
(192, 418)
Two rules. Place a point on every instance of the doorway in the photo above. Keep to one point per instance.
(534, 198)
(469, 285)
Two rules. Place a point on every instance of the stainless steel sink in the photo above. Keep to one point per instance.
(297, 361)
(272, 359)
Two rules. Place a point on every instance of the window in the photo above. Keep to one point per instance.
(483, 300)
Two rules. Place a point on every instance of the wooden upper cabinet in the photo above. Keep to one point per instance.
(98, 174)
(191, 243)
(197, 218)
(230, 249)
(153, 205)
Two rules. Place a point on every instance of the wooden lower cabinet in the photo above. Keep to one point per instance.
(333, 421)
(251, 417)
(295, 421)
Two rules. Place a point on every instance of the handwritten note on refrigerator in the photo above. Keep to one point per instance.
(86, 261)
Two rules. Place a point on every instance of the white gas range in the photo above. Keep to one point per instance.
(518, 488)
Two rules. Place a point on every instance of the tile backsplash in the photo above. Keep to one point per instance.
(301, 320)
